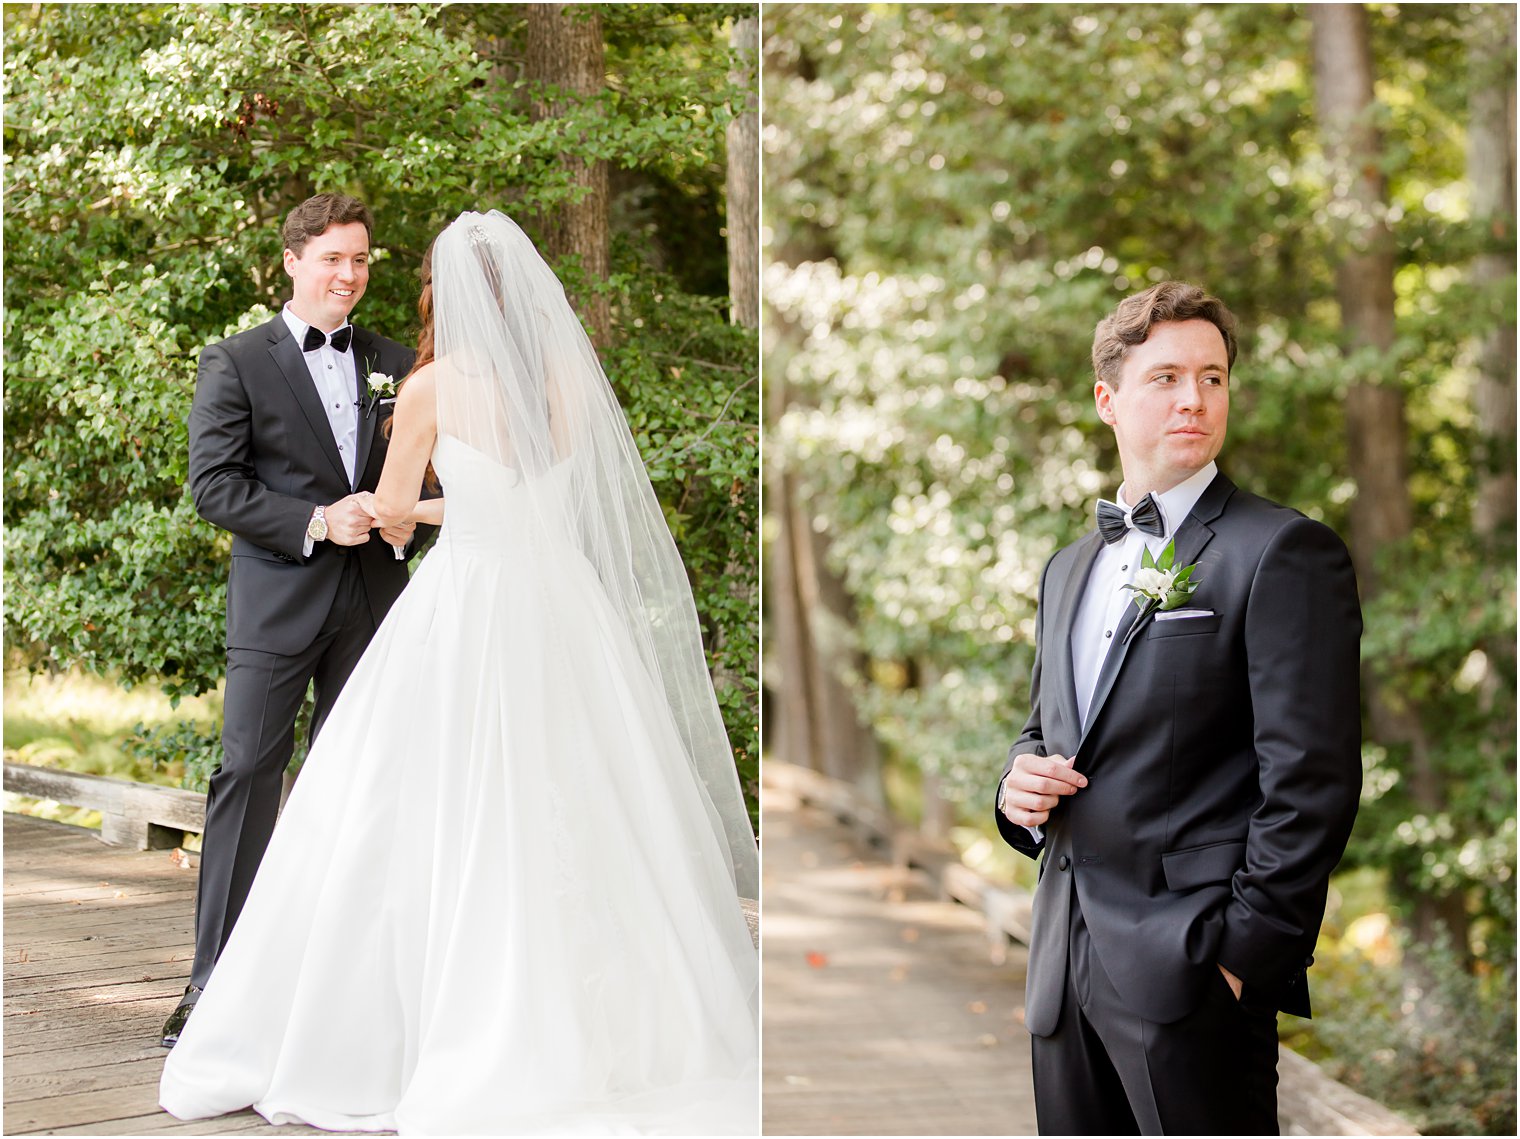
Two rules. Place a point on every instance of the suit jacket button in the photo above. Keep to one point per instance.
(1063, 862)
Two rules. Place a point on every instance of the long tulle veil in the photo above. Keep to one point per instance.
(519, 381)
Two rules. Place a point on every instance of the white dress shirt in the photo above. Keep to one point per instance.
(1104, 599)
(337, 383)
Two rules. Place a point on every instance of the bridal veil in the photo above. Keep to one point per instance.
(519, 382)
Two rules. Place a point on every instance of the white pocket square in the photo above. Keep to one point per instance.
(1181, 614)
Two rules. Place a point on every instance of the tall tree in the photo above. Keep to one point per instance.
(744, 180)
(143, 201)
(811, 612)
(566, 70)
(1382, 514)
(1491, 170)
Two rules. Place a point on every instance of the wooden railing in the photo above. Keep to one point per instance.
(1309, 1101)
(138, 815)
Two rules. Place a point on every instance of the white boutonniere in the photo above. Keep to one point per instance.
(380, 386)
(1160, 584)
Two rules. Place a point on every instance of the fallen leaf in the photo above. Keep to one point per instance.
(987, 1040)
(977, 1007)
(799, 1080)
(120, 894)
(817, 960)
(899, 973)
(22, 957)
(909, 934)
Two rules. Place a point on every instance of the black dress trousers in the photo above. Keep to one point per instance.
(1108, 1071)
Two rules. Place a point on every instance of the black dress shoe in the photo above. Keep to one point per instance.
(176, 1022)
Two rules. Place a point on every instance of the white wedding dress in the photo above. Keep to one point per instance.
(494, 903)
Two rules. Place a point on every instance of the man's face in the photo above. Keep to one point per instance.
(1171, 406)
(330, 274)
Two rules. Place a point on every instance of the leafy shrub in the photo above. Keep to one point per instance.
(1428, 1038)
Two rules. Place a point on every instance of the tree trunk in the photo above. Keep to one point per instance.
(846, 746)
(743, 207)
(1491, 171)
(810, 614)
(1343, 81)
(565, 52)
(1382, 513)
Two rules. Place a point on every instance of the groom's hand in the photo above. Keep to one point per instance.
(1035, 784)
(348, 523)
(399, 534)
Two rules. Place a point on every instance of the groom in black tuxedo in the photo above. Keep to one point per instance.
(283, 434)
(1192, 771)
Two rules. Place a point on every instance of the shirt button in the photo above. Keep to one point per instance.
(1063, 862)
(1106, 632)
(1124, 567)
(329, 367)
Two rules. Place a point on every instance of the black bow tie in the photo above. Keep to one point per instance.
(1145, 517)
(315, 338)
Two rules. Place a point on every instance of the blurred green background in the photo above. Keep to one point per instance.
(954, 196)
(152, 151)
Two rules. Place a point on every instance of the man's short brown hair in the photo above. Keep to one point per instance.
(313, 217)
(1132, 321)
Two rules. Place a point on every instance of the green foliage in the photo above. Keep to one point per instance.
(82, 723)
(1429, 1039)
(152, 152)
(186, 749)
(689, 389)
(955, 195)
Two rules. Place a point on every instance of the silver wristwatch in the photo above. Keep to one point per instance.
(316, 529)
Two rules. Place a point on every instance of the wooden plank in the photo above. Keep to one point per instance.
(882, 1014)
(89, 978)
(1310, 1101)
(116, 1073)
(168, 806)
(1323, 1106)
(137, 815)
(242, 1123)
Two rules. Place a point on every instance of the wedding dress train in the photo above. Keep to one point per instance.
(494, 903)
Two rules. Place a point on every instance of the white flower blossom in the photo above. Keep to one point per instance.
(381, 384)
(1154, 583)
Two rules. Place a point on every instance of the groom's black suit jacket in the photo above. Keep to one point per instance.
(262, 455)
(1224, 766)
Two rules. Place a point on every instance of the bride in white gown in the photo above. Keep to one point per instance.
(502, 898)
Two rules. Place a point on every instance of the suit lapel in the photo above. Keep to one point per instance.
(1085, 552)
(1192, 536)
(366, 360)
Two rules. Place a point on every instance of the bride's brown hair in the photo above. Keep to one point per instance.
(425, 311)
(424, 343)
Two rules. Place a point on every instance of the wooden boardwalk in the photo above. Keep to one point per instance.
(883, 1014)
(97, 951)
